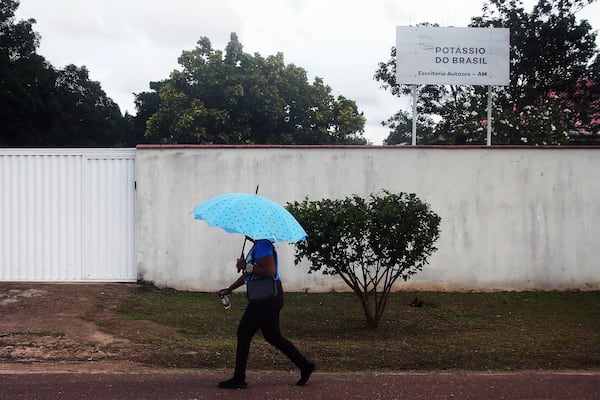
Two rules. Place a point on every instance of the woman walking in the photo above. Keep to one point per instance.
(261, 264)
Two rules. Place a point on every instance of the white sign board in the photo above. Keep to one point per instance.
(452, 56)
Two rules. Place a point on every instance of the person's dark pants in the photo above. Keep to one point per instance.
(265, 316)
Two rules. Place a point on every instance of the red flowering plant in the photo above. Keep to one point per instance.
(557, 117)
(585, 114)
(541, 123)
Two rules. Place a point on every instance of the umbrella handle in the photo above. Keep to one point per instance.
(244, 245)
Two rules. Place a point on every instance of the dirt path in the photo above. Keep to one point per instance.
(52, 323)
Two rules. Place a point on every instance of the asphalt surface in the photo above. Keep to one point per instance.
(189, 385)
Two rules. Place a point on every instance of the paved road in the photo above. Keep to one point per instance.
(189, 385)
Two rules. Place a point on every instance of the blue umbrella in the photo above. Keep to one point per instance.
(252, 215)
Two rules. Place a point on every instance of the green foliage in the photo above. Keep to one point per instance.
(370, 243)
(233, 97)
(42, 106)
(81, 114)
(401, 126)
(551, 52)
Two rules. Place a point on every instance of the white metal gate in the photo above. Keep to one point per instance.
(67, 215)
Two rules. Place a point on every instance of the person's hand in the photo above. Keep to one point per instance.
(241, 264)
(223, 292)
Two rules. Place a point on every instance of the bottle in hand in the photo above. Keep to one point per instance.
(225, 300)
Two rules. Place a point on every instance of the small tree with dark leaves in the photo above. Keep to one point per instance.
(370, 243)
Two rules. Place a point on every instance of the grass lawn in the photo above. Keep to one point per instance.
(466, 331)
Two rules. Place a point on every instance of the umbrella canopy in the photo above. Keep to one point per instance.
(252, 215)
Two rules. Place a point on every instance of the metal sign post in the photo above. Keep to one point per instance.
(489, 117)
(414, 114)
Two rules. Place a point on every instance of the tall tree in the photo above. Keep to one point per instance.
(25, 79)
(146, 104)
(81, 113)
(401, 126)
(43, 106)
(235, 98)
(551, 51)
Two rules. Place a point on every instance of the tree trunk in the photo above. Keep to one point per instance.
(372, 320)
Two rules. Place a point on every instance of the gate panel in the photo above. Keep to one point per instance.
(110, 206)
(48, 231)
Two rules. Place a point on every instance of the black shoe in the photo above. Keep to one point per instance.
(233, 384)
(305, 374)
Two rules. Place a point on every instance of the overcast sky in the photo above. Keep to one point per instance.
(125, 44)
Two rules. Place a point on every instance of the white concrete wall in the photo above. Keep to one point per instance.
(512, 218)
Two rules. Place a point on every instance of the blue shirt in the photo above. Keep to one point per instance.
(261, 248)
